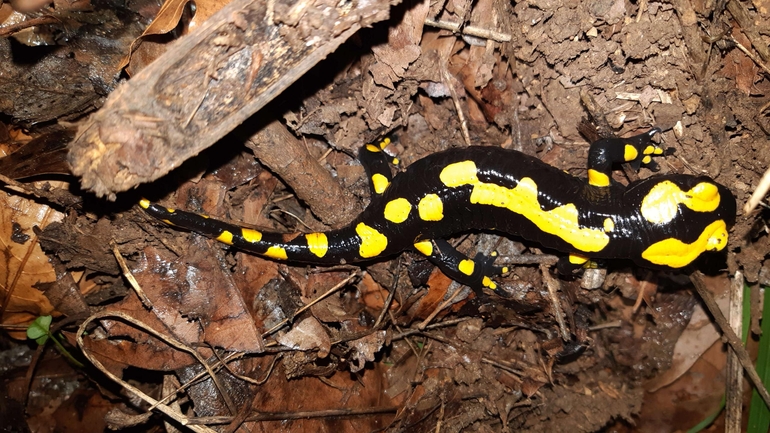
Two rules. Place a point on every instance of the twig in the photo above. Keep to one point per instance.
(759, 193)
(26, 188)
(748, 53)
(734, 387)
(553, 288)
(336, 287)
(15, 28)
(747, 27)
(458, 289)
(449, 83)
(391, 294)
(130, 277)
(282, 416)
(173, 414)
(732, 339)
(469, 30)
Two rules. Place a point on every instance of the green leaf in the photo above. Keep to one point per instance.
(40, 329)
(759, 415)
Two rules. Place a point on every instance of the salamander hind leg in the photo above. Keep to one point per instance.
(573, 263)
(636, 150)
(476, 273)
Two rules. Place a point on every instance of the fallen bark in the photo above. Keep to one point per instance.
(206, 84)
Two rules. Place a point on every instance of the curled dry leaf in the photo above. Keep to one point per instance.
(167, 19)
(24, 265)
(307, 335)
(366, 347)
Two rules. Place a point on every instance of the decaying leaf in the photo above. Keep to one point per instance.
(142, 51)
(366, 347)
(698, 337)
(307, 335)
(24, 265)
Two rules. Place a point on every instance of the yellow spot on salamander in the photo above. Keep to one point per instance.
(561, 221)
(372, 242)
(630, 153)
(597, 178)
(276, 252)
(395, 161)
(676, 254)
(380, 183)
(425, 247)
(466, 266)
(649, 150)
(225, 237)
(317, 243)
(609, 225)
(170, 210)
(372, 148)
(647, 159)
(384, 143)
(459, 173)
(144, 203)
(658, 151)
(505, 270)
(251, 235)
(661, 204)
(487, 282)
(431, 208)
(397, 210)
(577, 259)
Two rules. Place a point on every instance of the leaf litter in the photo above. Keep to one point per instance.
(400, 347)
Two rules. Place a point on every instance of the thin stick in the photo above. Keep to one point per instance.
(130, 277)
(727, 332)
(734, 388)
(553, 288)
(173, 414)
(469, 30)
(759, 193)
(336, 287)
(449, 83)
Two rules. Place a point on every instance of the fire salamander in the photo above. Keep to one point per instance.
(665, 221)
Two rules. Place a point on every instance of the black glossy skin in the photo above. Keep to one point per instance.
(506, 168)
(631, 234)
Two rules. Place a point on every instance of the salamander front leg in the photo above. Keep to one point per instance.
(476, 273)
(375, 162)
(636, 150)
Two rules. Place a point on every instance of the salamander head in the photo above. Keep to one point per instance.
(681, 217)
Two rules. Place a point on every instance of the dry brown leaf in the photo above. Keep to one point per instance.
(166, 20)
(740, 67)
(116, 355)
(331, 309)
(341, 390)
(373, 296)
(196, 300)
(366, 347)
(701, 333)
(309, 334)
(438, 284)
(24, 265)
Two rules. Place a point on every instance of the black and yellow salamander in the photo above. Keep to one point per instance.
(665, 221)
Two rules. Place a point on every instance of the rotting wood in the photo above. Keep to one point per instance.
(746, 23)
(288, 157)
(206, 84)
